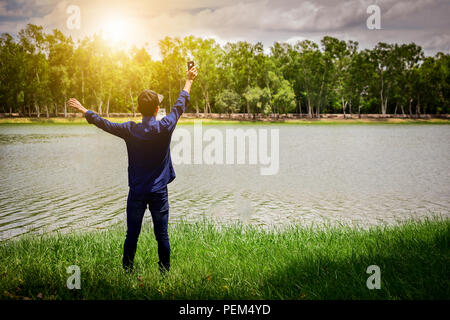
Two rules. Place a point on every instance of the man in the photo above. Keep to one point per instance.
(149, 166)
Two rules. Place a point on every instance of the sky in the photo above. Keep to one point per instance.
(144, 22)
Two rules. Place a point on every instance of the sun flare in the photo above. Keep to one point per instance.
(116, 30)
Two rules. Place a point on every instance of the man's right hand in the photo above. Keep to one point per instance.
(191, 74)
(74, 103)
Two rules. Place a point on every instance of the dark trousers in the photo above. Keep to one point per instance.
(158, 204)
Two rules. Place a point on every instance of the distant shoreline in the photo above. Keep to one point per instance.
(227, 121)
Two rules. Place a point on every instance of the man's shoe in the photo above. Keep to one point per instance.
(128, 270)
(128, 267)
(163, 269)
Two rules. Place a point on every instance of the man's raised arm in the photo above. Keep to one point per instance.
(169, 122)
(117, 129)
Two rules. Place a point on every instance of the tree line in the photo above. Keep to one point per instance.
(39, 71)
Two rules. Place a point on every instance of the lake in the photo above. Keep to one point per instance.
(74, 177)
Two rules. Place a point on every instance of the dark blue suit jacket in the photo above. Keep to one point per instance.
(148, 145)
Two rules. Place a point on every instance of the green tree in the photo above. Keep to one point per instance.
(12, 60)
(34, 43)
(205, 53)
(228, 101)
(60, 57)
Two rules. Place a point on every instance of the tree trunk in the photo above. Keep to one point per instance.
(321, 91)
(82, 86)
(309, 108)
(46, 111)
(65, 108)
(132, 104)
(208, 106)
(38, 113)
(381, 93)
(319, 104)
(170, 100)
(107, 106)
(344, 105)
(100, 111)
(384, 107)
(300, 107)
(418, 107)
(248, 87)
(410, 110)
(248, 107)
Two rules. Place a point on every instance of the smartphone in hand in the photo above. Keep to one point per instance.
(190, 64)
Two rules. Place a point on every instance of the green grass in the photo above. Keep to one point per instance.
(210, 261)
(188, 121)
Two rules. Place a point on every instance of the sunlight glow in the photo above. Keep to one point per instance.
(116, 30)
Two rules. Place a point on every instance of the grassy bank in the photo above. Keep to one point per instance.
(80, 120)
(235, 262)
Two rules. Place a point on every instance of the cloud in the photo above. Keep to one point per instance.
(422, 21)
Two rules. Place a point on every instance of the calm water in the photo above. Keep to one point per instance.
(75, 177)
